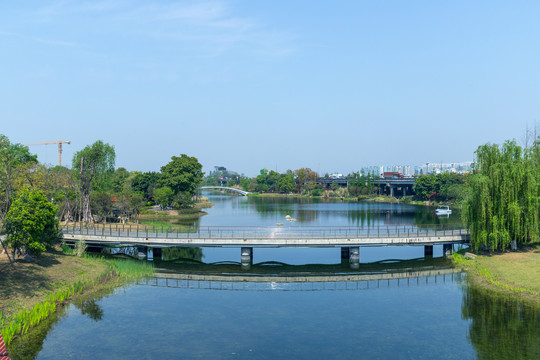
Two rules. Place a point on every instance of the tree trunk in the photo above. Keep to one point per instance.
(7, 252)
(86, 213)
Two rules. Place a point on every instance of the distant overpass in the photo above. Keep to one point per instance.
(390, 186)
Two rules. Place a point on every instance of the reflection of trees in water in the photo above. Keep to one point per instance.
(90, 308)
(426, 216)
(268, 207)
(502, 326)
(382, 214)
(175, 253)
(362, 218)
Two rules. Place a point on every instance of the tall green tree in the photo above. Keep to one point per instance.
(305, 177)
(163, 196)
(286, 183)
(14, 161)
(31, 222)
(94, 166)
(119, 179)
(145, 183)
(182, 174)
(503, 204)
(425, 186)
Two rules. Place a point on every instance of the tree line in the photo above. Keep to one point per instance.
(300, 181)
(34, 198)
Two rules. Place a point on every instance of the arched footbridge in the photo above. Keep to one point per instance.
(225, 188)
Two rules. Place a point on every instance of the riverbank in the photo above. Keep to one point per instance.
(515, 272)
(32, 291)
(330, 195)
(156, 217)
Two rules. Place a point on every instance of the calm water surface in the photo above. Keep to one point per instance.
(294, 303)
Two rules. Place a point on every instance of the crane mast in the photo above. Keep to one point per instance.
(59, 142)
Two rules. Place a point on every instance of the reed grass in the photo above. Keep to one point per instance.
(128, 268)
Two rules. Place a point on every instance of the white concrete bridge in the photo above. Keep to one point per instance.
(349, 239)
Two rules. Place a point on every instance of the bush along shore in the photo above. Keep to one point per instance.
(504, 271)
(122, 270)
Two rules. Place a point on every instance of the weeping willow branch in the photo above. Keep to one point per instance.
(502, 205)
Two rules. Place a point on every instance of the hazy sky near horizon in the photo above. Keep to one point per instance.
(330, 85)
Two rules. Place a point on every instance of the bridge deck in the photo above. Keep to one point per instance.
(269, 236)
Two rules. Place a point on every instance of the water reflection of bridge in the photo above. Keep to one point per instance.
(271, 276)
(303, 283)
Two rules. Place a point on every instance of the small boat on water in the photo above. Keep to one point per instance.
(443, 210)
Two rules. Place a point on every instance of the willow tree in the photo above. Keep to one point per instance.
(502, 205)
(93, 165)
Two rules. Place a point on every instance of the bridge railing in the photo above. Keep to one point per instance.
(268, 232)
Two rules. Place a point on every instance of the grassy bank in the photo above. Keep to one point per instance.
(516, 272)
(31, 292)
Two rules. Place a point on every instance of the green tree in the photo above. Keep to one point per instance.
(182, 174)
(62, 190)
(286, 183)
(94, 166)
(305, 177)
(136, 203)
(14, 161)
(163, 196)
(182, 200)
(503, 205)
(247, 184)
(118, 180)
(145, 183)
(102, 204)
(30, 223)
(425, 186)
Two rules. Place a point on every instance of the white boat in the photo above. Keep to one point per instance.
(443, 210)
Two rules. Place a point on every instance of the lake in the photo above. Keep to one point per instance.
(294, 303)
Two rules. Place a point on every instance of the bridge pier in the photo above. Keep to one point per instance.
(158, 253)
(354, 257)
(246, 258)
(428, 250)
(447, 249)
(345, 253)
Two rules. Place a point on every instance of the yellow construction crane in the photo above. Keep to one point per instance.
(59, 142)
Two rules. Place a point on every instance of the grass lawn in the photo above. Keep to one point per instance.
(25, 284)
(520, 269)
(515, 271)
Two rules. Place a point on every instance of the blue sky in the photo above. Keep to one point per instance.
(331, 85)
